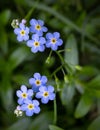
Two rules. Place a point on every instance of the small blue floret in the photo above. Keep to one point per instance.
(22, 32)
(53, 40)
(37, 27)
(46, 94)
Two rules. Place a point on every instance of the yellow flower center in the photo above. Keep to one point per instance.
(36, 44)
(45, 94)
(37, 27)
(53, 40)
(22, 32)
(38, 82)
(24, 95)
(30, 106)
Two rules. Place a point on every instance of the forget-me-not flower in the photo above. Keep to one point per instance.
(31, 107)
(37, 43)
(23, 94)
(37, 26)
(53, 40)
(46, 94)
(37, 81)
(22, 32)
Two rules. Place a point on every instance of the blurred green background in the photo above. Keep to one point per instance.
(75, 72)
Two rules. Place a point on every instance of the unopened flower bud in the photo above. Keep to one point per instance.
(48, 60)
(23, 21)
(78, 67)
(66, 79)
(15, 23)
(18, 111)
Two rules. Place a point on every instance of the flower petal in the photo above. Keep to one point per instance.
(44, 79)
(36, 110)
(30, 43)
(23, 107)
(37, 75)
(49, 35)
(17, 30)
(30, 92)
(24, 88)
(18, 93)
(33, 21)
(43, 89)
(39, 95)
(41, 22)
(31, 81)
(52, 96)
(50, 88)
(20, 101)
(56, 35)
(29, 112)
(35, 37)
(41, 48)
(35, 102)
(44, 100)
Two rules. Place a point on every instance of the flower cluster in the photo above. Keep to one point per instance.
(28, 98)
(34, 35)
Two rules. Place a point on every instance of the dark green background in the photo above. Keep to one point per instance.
(77, 85)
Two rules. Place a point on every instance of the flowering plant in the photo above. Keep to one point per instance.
(49, 65)
(34, 38)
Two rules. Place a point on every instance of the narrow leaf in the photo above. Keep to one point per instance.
(42, 121)
(22, 124)
(3, 40)
(95, 83)
(4, 17)
(53, 127)
(17, 57)
(71, 52)
(67, 94)
(95, 125)
(83, 106)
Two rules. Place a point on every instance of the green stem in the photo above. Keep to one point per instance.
(55, 112)
(29, 14)
(63, 62)
(48, 58)
(50, 53)
(60, 67)
(31, 10)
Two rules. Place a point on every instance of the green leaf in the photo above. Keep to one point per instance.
(7, 98)
(86, 72)
(2, 64)
(71, 53)
(95, 125)
(3, 40)
(21, 79)
(17, 57)
(22, 124)
(83, 106)
(95, 83)
(67, 94)
(53, 127)
(4, 17)
(42, 121)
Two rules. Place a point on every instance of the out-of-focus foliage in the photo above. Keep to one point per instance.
(74, 69)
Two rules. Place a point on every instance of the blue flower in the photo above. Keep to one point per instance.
(23, 94)
(53, 40)
(30, 107)
(22, 32)
(37, 26)
(46, 94)
(37, 43)
(37, 81)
